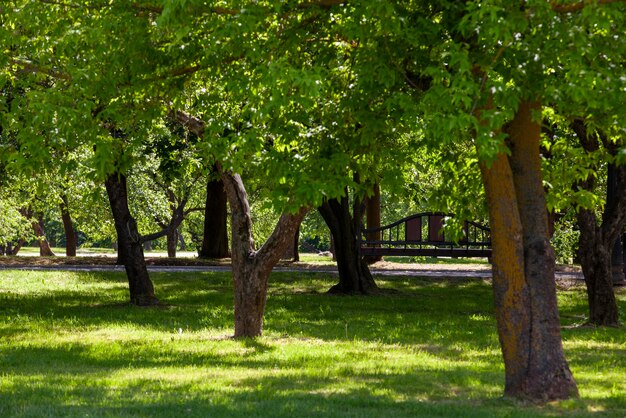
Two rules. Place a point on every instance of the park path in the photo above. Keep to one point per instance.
(384, 269)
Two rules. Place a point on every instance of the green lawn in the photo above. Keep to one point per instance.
(71, 346)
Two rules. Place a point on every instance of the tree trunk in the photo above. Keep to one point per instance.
(251, 269)
(523, 268)
(597, 241)
(181, 241)
(71, 238)
(292, 251)
(13, 250)
(612, 199)
(372, 216)
(215, 239)
(172, 242)
(129, 243)
(44, 246)
(354, 274)
(596, 263)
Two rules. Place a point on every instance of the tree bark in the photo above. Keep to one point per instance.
(596, 263)
(523, 268)
(354, 274)
(130, 245)
(215, 238)
(71, 238)
(613, 198)
(372, 216)
(597, 239)
(251, 269)
(172, 242)
(44, 245)
(292, 252)
(37, 225)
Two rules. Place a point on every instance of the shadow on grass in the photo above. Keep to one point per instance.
(86, 388)
(83, 386)
(161, 364)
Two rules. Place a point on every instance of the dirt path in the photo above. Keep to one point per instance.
(160, 264)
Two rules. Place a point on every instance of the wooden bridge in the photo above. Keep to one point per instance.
(422, 234)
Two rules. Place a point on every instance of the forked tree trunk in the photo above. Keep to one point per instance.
(215, 238)
(354, 274)
(523, 268)
(71, 238)
(129, 243)
(597, 240)
(251, 269)
(14, 250)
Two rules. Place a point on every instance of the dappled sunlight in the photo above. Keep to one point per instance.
(71, 344)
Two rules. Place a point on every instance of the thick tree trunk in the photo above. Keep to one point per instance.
(372, 216)
(523, 268)
(251, 269)
(215, 239)
(129, 243)
(354, 274)
(71, 238)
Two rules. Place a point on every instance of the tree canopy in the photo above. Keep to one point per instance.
(313, 97)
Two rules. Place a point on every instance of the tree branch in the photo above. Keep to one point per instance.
(177, 218)
(194, 209)
(31, 67)
(195, 125)
(275, 246)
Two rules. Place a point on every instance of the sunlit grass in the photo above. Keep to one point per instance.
(71, 346)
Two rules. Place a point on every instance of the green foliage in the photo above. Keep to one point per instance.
(13, 225)
(565, 240)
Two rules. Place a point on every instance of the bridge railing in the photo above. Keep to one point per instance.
(423, 234)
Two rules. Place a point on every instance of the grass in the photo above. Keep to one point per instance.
(71, 346)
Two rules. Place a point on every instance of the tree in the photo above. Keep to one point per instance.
(71, 237)
(345, 227)
(251, 268)
(513, 60)
(597, 240)
(129, 243)
(215, 237)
